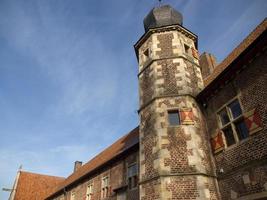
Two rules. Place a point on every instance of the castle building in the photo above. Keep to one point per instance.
(202, 132)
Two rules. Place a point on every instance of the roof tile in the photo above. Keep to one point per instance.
(121, 145)
(237, 52)
(33, 186)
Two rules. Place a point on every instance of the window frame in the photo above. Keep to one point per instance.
(105, 189)
(73, 195)
(129, 177)
(89, 192)
(232, 121)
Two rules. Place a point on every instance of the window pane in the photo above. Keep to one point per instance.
(135, 181)
(174, 118)
(228, 133)
(241, 130)
(235, 109)
(224, 117)
(130, 183)
(132, 170)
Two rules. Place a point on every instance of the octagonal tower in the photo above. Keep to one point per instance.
(175, 158)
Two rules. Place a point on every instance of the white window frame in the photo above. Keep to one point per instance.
(232, 120)
(105, 187)
(73, 195)
(89, 191)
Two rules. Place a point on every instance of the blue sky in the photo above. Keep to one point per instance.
(68, 73)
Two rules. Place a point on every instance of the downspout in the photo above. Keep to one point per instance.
(64, 193)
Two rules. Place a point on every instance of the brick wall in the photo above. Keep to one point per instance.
(247, 158)
(118, 177)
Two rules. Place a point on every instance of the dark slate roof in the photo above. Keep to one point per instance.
(162, 16)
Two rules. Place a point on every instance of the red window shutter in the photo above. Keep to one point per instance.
(217, 142)
(195, 53)
(187, 116)
(253, 121)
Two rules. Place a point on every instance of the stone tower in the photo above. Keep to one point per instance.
(175, 159)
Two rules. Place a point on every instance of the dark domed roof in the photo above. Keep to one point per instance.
(162, 16)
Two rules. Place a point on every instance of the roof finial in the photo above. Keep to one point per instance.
(159, 3)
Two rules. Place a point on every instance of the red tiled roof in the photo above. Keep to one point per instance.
(237, 52)
(33, 186)
(120, 146)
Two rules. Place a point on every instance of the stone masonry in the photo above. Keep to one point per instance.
(175, 161)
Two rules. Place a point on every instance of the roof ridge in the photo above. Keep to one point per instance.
(115, 149)
(237, 51)
(33, 173)
(106, 149)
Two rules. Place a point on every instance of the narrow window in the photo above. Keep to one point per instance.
(132, 176)
(89, 192)
(174, 118)
(105, 187)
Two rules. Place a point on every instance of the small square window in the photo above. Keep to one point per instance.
(174, 118)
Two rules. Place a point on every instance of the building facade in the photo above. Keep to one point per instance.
(202, 132)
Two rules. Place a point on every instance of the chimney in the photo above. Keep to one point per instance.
(77, 165)
(207, 64)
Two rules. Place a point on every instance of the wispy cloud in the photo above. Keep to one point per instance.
(234, 29)
(68, 77)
